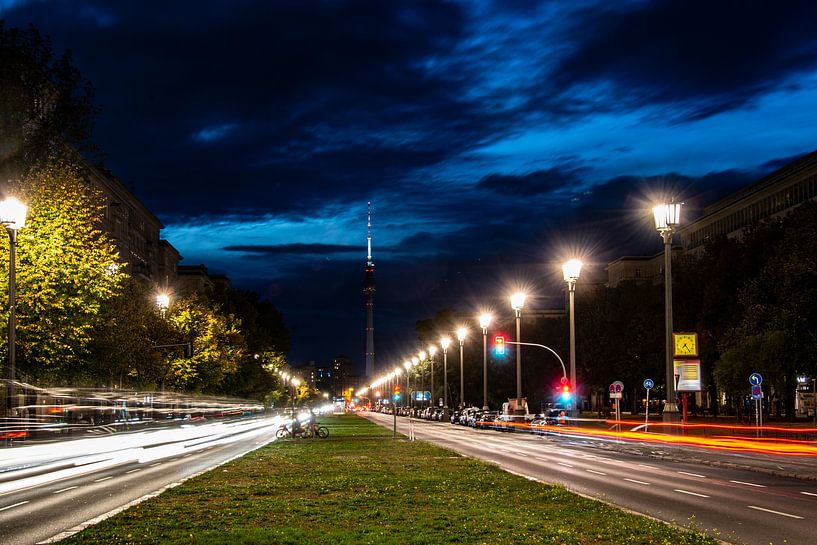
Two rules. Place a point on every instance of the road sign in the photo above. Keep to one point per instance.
(618, 386)
(755, 379)
(564, 380)
(616, 395)
(648, 383)
(757, 392)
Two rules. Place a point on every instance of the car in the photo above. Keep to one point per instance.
(455, 417)
(486, 420)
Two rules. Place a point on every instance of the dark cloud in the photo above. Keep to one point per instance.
(534, 183)
(296, 249)
(706, 57)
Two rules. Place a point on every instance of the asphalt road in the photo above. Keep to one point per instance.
(734, 505)
(48, 490)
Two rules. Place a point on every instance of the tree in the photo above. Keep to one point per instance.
(67, 270)
(44, 102)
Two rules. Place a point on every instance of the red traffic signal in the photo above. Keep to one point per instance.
(397, 392)
(499, 345)
(566, 393)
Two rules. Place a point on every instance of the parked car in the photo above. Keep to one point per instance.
(486, 420)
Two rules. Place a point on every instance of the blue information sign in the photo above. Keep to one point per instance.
(755, 379)
(648, 383)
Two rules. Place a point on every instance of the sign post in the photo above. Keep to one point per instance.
(615, 393)
(648, 385)
(755, 380)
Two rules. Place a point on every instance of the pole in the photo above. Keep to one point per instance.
(647, 416)
(462, 381)
(670, 407)
(484, 368)
(433, 400)
(571, 286)
(445, 384)
(518, 363)
(12, 318)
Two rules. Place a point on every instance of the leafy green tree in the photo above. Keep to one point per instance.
(218, 346)
(67, 270)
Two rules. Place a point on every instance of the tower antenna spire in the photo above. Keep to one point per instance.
(369, 235)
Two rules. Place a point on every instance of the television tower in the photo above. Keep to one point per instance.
(368, 295)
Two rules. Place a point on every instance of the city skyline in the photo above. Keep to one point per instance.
(494, 138)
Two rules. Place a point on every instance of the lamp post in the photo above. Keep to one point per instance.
(407, 400)
(572, 269)
(484, 322)
(517, 302)
(13, 218)
(422, 359)
(444, 343)
(461, 334)
(432, 350)
(667, 217)
(162, 303)
(295, 383)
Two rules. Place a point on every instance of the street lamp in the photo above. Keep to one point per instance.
(407, 399)
(517, 302)
(444, 343)
(162, 303)
(484, 322)
(461, 333)
(572, 270)
(414, 363)
(422, 358)
(432, 350)
(667, 217)
(13, 218)
(295, 382)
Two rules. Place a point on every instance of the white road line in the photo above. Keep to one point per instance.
(596, 472)
(809, 493)
(775, 512)
(65, 489)
(564, 464)
(692, 474)
(648, 467)
(134, 470)
(749, 484)
(15, 505)
(156, 464)
(635, 481)
(541, 459)
(691, 493)
(103, 479)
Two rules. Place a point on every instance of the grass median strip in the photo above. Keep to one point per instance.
(360, 486)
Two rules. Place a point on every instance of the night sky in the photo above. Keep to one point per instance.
(495, 139)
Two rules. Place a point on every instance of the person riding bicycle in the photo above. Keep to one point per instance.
(313, 423)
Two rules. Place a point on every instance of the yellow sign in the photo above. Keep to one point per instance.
(687, 375)
(686, 344)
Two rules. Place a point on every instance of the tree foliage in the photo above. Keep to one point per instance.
(67, 269)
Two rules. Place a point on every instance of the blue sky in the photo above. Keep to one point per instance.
(494, 138)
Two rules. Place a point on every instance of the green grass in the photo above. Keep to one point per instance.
(360, 486)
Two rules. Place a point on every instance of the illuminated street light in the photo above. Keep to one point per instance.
(406, 400)
(517, 303)
(13, 217)
(461, 334)
(421, 358)
(432, 350)
(572, 270)
(162, 303)
(667, 218)
(484, 322)
(445, 342)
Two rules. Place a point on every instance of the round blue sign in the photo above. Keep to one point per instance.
(648, 383)
(755, 379)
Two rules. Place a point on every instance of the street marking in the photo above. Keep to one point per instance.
(156, 464)
(541, 459)
(749, 484)
(15, 505)
(691, 493)
(809, 493)
(187, 455)
(648, 467)
(775, 512)
(134, 470)
(596, 472)
(564, 464)
(103, 479)
(692, 474)
(65, 489)
(635, 481)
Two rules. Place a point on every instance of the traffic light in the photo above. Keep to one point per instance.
(499, 343)
(566, 394)
(397, 392)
